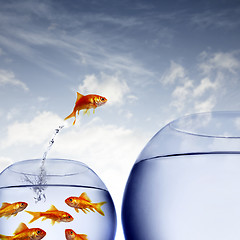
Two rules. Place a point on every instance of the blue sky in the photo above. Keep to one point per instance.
(155, 61)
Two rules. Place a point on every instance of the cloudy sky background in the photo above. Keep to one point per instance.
(155, 61)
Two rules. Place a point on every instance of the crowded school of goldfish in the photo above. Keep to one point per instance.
(22, 232)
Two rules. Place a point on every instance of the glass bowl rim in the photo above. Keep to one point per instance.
(209, 113)
(75, 174)
(51, 160)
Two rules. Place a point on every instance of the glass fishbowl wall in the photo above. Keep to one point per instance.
(185, 183)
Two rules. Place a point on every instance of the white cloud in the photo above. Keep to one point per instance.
(42, 99)
(31, 133)
(173, 74)
(225, 18)
(184, 90)
(13, 113)
(129, 114)
(195, 96)
(125, 113)
(219, 61)
(122, 21)
(99, 144)
(181, 95)
(110, 87)
(207, 105)
(5, 162)
(218, 71)
(204, 86)
(132, 98)
(8, 78)
(82, 47)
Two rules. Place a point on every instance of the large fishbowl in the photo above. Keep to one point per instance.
(65, 201)
(185, 183)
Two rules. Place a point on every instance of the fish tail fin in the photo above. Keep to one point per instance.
(73, 114)
(97, 207)
(36, 215)
(3, 237)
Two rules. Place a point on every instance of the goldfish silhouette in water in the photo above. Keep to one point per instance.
(12, 209)
(84, 203)
(86, 102)
(53, 213)
(25, 233)
(71, 235)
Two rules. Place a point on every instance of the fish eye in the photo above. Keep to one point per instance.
(69, 216)
(70, 200)
(71, 232)
(38, 232)
(102, 99)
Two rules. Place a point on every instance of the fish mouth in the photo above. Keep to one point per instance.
(99, 102)
(102, 102)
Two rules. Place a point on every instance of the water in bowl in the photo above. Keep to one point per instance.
(93, 224)
(184, 197)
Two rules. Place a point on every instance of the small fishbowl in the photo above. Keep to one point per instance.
(185, 183)
(65, 201)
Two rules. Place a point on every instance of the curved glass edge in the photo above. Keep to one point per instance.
(217, 124)
(61, 172)
(172, 140)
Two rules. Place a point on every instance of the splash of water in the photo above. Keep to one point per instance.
(42, 175)
(39, 181)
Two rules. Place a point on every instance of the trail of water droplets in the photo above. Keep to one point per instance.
(39, 181)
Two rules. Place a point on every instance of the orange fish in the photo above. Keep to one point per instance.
(25, 233)
(84, 203)
(71, 235)
(53, 213)
(86, 102)
(12, 209)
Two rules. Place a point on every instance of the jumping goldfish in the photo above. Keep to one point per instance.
(86, 102)
(25, 233)
(12, 209)
(71, 235)
(53, 213)
(84, 203)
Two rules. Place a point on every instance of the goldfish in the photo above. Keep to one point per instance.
(12, 209)
(25, 233)
(84, 203)
(86, 102)
(53, 213)
(71, 235)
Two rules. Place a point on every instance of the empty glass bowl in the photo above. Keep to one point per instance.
(185, 184)
(69, 199)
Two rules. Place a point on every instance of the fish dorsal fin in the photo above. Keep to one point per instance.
(5, 204)
(52, 208)
(22, 226)
(84, 236)
(79, 95)
(85, 197)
